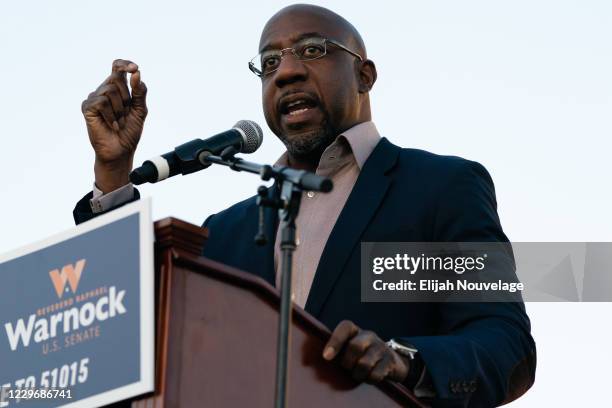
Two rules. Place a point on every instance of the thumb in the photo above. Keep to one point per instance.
(139, 91)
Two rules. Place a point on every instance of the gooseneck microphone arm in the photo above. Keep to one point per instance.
(287, 200)
(300, 178)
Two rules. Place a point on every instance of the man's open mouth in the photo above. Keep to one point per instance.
(296, 104)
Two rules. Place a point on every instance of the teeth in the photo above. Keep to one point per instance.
(295, 103)
(297, 112)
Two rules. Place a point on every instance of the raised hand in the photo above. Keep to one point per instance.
(115, 120)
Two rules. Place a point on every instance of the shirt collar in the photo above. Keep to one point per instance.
(362, 139)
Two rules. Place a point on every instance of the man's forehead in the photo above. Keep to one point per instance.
(286, 29)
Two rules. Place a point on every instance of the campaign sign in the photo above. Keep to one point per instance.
(76, 314)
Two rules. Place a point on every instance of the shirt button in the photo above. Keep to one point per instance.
(310, 194)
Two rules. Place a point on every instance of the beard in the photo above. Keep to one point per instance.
(310, 143)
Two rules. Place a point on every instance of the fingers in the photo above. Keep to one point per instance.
(135, 82)
(139, 89)
(139, 93)
(120, 83)
(381, 370)
(362, 369)
(112, 100)
(356, 348)
(99, 106)
(111, 91)
(342, 333)
(118, 77)
(121, 65)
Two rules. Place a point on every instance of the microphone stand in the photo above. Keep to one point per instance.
(287, 201)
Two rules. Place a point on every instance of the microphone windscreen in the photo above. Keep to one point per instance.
(253, 135)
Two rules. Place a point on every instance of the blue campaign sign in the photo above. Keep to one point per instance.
(76, 314)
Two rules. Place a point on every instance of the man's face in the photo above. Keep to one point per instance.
(308, 103)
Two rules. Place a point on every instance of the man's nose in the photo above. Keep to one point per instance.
(289, 71)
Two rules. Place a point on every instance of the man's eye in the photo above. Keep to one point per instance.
(270, 62)
(312, 51)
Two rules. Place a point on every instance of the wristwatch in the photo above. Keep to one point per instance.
(403, 348)
(417, 366)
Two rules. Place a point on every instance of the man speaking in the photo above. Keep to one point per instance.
(316, 78)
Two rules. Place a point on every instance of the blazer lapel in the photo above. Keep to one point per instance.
(364, 200)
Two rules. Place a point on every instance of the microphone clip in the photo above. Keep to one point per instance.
(229, 152)
(264, 200)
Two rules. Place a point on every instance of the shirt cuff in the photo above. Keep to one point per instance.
(103, 202)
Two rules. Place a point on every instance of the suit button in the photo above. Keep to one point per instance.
(465, 386)
(472, 385)
(454, 387)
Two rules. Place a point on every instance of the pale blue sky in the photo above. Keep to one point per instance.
(524, 87)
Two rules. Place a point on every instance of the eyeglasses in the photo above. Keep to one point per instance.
(305, 50)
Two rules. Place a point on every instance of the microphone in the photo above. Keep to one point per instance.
(246, 137)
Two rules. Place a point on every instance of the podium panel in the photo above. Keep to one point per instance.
(216, 338)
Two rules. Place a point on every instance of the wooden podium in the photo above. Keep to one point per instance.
(216, 333)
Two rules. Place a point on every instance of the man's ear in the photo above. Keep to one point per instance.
(367, 76)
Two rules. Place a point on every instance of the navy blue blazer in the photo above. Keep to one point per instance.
(476, 354)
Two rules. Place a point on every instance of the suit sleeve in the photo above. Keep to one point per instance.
(485, 354)
(82, 211)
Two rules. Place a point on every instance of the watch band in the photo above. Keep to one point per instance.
(417, 367)
(405, 349)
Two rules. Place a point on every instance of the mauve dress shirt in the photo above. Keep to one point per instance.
(341, 161)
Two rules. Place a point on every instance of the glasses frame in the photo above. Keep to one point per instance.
(260, 74)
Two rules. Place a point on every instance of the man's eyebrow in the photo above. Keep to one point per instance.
(270, 46)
